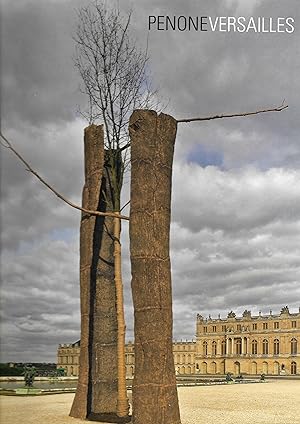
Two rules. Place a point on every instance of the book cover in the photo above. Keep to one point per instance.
(228, 72)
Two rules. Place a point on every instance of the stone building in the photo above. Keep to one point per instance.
(263, 344)
(184, 357)
(68, 358)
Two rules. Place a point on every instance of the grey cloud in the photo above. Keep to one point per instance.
(237, 199)
(40, 84)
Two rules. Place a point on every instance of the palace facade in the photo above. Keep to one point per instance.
(250, 344)
(184, 358)
(262, 344)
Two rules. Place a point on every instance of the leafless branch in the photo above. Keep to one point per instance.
(9, 146)
(126, 204)
(113, 70)
(234, 115)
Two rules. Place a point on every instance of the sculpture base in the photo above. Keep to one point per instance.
(108, 418)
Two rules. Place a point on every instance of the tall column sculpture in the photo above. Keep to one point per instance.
(97, 390)
(154, 394)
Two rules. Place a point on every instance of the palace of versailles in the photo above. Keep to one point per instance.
(247, 345)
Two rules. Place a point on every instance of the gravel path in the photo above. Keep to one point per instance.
(274, 402)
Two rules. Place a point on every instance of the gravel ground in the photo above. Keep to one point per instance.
(274, 402)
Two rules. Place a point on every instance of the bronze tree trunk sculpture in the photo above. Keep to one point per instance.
(154, 387)
(97, 393)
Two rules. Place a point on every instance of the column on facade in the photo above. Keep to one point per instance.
(227, 345)
(242, 346)
(287, 344)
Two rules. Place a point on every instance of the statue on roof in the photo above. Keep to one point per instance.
(285, 310)
(247, 314)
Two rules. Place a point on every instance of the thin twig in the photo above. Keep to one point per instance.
(123, 207)
(60, 196)
(233, 115)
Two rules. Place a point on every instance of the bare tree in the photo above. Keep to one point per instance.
(113, 72)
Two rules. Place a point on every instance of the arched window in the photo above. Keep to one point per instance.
(214, 348)
(276, 347)
(204, 348)
(213, 368)
(254, 347)
(293, 368)
(223, 347)
(294, 346)
(238, 346)
(237, 368)
(265, 368)
(265, 347)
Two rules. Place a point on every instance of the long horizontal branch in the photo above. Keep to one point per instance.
(9, 146)
(233, 115)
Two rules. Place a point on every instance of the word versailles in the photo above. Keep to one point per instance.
(221, 24)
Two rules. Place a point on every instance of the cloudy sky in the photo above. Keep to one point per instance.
(235, 232)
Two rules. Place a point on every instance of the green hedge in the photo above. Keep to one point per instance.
(5, 370)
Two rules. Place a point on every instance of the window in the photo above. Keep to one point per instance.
(238, 327)
(254, 347)
(223, 347)
(214, 348)
(238, 347)
(294, 324)
(276, 347)
(265, 347)
(204, 348)
(293, 368)
(214, 328)
(265, 326)
(224, 328)
(254, 326)
(276, 325)
(294, 346)
(204, 329)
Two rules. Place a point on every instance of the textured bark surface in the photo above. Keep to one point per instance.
(154, 387)
(97, 390)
